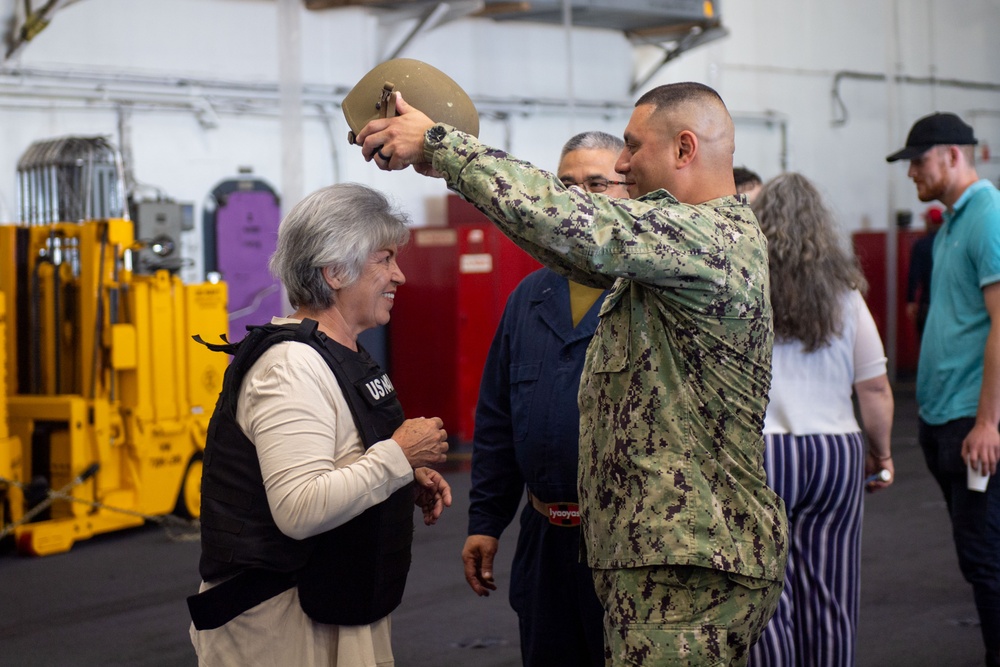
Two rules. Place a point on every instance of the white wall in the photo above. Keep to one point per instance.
(780, 58)
(783, 55)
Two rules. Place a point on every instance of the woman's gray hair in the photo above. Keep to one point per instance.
(337, 227)
(810, 265)
(593, 140)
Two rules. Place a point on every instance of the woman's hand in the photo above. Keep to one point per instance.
(423, 441)
(875, 465)
(433, 493)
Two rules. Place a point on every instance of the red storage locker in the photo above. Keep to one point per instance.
(870, 248)
(458, 279)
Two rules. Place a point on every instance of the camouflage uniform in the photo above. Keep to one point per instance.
(674, 389)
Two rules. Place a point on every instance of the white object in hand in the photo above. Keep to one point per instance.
(977, 478)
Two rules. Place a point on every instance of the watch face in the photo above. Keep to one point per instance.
(436, 133)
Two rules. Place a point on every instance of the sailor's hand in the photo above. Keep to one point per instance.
(398, 142)
(477, 556)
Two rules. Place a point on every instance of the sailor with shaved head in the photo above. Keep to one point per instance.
(686, 542)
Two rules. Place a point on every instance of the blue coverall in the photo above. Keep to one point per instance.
(527, 430)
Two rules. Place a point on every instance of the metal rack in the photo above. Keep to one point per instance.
(70, 179)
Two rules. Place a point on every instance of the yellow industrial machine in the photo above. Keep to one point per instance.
(107, 397)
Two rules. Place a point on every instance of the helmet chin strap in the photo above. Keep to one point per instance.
(387, 104)
(386, 107)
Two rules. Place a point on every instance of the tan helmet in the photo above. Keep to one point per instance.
(424, 87)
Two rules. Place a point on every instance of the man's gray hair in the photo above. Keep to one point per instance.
(593, 140)
(337, 227)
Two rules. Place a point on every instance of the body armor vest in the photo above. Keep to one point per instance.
(352, 575)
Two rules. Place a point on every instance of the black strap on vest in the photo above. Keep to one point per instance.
(220, 604)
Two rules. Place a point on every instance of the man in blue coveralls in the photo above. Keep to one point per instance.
(527, 428)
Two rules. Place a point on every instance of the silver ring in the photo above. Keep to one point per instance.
(378, 152)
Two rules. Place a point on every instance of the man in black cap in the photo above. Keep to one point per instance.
(958, 375)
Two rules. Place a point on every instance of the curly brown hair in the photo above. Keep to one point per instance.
(810, 266)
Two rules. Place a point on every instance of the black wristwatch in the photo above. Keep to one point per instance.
(436, 133)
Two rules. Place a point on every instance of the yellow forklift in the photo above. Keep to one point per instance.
(106, 399)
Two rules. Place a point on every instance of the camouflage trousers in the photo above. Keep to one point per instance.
(683, 616)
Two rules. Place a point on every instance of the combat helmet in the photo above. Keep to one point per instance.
(423, 86)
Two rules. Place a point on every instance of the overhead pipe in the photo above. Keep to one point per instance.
(207, 99)
(840, 109)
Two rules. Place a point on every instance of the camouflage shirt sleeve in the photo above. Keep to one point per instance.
(642, 240)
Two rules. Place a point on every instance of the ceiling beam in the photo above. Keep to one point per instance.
(493, 8)
(329, 4)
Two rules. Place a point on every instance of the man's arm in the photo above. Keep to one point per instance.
(497, 483)
(667, 245)
(983, 441)
(402, 140)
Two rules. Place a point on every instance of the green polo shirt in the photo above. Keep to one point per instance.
(674, 389)
(966, 259)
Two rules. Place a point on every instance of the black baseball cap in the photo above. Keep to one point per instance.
(935, 130)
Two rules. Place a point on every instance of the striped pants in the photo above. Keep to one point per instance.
(820, 478)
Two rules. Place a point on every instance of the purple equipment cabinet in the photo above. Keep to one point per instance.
(241, 230)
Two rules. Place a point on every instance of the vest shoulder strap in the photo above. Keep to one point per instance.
(247, 351)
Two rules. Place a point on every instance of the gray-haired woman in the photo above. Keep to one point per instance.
(310, 470)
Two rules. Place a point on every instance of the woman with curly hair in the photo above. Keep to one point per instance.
(826, 346)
